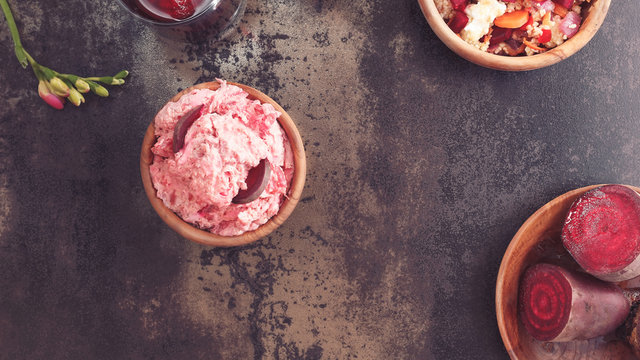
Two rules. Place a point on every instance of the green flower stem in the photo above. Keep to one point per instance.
(31, 60)
(52, 82)
(22, 55)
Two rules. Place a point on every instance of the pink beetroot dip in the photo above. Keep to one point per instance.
(231, 137)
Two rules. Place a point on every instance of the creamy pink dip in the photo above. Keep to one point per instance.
(231, 137)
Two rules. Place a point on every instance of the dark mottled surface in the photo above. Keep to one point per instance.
(421, 168)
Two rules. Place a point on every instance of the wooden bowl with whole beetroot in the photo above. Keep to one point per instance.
(595, 15)
(539, 241)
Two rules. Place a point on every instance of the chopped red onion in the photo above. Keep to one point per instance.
(570, 24)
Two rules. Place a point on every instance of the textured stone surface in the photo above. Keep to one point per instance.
(422, 166)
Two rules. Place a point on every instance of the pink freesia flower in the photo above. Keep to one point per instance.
(53, 100)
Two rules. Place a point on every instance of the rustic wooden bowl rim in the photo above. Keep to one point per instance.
(590, 26)
(204, 237)
(511, 262)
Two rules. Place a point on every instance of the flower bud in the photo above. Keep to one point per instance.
(53, 100)
(82, 86)
(100, 90)
(58, 87)
(117, 81)
(75, 97)
(122, 74)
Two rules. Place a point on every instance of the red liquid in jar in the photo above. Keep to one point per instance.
(171, 10)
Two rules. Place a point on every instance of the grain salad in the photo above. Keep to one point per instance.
(513, 27)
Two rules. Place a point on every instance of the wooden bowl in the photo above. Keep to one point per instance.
(204, 237)
(538, 240)
(595, 16)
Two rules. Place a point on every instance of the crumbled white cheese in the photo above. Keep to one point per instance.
(481, 16)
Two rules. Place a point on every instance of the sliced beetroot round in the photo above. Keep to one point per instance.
(602, 232)
(256, 181)
(545, 301)
(559, 305)
(183, 125)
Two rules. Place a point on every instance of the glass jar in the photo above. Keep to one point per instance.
(213, 20)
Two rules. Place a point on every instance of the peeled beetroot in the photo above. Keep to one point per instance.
(602, 232)
(559, 305)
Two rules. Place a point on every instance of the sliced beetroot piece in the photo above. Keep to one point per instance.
(564, 3)
(459, 4)
(602, 232)
(183, 124)
(458, 21)
(257, 181)
(559, 305)
(499, 35)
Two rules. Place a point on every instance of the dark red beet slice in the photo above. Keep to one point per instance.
(602, 232)
(565, 3)
(559, 305)
(459, 4)
(458, 21)
(257, 181)
(185, 122)
(499, 35)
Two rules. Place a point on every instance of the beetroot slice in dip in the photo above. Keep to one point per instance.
(231, 136)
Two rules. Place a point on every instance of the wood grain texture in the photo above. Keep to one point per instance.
(195, 234)
(539, 240)
(592, 22)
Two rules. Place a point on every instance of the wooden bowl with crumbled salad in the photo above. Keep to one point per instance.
(515, 35)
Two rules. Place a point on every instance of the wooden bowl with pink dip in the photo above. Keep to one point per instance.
(152, 150)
